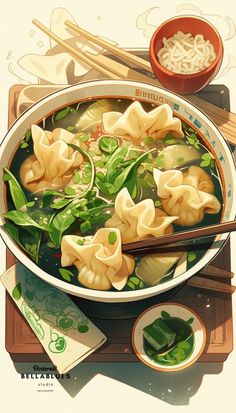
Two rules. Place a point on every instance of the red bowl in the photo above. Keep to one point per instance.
(185, 83)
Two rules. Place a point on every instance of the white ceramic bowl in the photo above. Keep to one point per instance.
(125, 89)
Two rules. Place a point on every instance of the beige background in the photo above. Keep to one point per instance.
(96, 387)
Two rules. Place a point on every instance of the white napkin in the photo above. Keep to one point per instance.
(66, 334)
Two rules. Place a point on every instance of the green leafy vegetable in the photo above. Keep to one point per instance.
(135, 283)
(116, 158)
(26, 139)
(130, 172)
(48, 196)
(85, 226)
(171, 141)
(81, 241)
(87, 155)
(60, 223)
(112, 237)
(70, 128)
(207, 160)
(108, 144)
(69, 191)
(63, 113)
(190, 321)
(18, 197)
(16, 293)
(84, 137)
(66, 274)
(157, 203)
(76, 178)
(193, 140)
(61, 203)
(165, 315)
(191, 256)
(13, 231)
(30, 204)
(24, 219)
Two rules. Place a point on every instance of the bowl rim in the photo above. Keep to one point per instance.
(185, 76)
(180, 366)
(113, 296)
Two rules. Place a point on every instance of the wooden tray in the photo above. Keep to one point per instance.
(215, 309)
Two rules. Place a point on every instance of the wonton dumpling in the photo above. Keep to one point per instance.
(53, 161)
(138, 221)
(152, 268)
(177, 155)
(180, 194)
(136, 124)
(101, 264)
(198, 178)
(92, 116)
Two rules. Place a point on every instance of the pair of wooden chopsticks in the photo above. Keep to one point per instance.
(102, 64)
(115, 70)
(201, 280)
(151, 245)
(110, 68)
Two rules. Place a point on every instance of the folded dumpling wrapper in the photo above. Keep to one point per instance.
(53, 160)
(187, 195)
(100, 262)
(66, 334)
(175, 156)
(138, 221)
(152, 268)
(57, 66)
(135, 123)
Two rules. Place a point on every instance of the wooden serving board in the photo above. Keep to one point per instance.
(215, 309)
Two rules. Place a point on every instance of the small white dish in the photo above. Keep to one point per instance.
(173, 310)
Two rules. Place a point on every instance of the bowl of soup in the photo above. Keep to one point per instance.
(104, 163)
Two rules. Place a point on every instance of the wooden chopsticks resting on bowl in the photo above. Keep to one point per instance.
(150, 245)
(226, 121)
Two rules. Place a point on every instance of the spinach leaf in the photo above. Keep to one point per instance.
(108, 144)
(69, 191)
(48, 196)
(36, 233)
(116, 158)
(13, 231)
(26, 139)
(18, 197)
(87, 155)
(60, 223)
(61, 203)
(63, 113)
(131, 169)
(24, 220)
